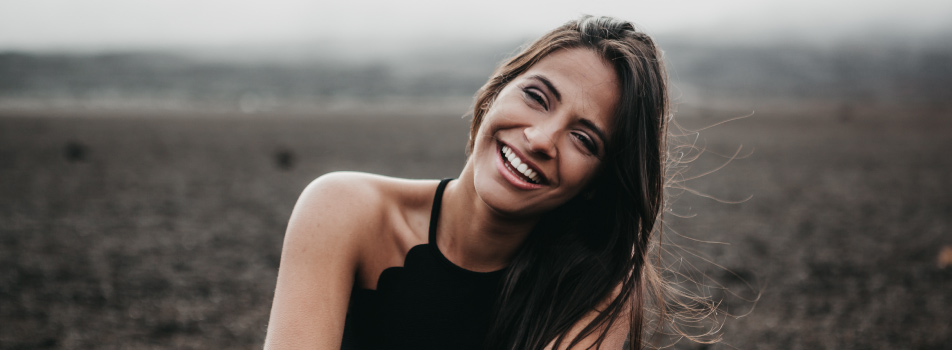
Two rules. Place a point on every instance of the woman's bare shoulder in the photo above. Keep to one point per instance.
(338, 220)
(322, 250)
(343, 188)
(357, 188)
(365, 202)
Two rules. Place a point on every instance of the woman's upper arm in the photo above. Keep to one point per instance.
(318, 263)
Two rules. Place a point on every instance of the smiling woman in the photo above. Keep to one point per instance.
(542, 242)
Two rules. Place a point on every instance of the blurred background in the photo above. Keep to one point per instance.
(151, 153)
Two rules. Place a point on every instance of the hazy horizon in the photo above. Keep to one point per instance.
(298, 27)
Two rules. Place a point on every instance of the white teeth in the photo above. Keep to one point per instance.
(518, 165)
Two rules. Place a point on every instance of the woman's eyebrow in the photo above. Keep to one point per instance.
(545, 81)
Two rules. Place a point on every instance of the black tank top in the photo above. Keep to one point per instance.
(428, 303)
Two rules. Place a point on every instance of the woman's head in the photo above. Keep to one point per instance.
(632, 160)
(596, 240)
(543, 139)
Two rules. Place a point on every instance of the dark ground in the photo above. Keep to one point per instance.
(149, 231)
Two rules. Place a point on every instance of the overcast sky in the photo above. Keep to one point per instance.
(141, 24)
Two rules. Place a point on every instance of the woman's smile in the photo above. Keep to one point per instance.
(520, 172)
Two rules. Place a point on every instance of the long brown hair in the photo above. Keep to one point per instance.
(592, 252)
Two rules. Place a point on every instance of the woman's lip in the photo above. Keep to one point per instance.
(513, 179)
(525, 160)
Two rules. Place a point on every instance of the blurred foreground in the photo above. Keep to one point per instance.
(155, 231)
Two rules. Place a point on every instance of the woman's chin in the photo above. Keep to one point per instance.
(506, 202)
(500, 199)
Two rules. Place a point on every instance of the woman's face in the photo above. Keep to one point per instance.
(542, 140)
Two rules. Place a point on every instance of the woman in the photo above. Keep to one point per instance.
(541, 243)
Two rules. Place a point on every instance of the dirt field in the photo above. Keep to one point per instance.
(155, 231)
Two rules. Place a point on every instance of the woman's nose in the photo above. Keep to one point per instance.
(541, 140)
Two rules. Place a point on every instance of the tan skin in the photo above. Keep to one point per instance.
(348, 227)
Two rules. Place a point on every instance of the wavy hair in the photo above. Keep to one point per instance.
(592, 252)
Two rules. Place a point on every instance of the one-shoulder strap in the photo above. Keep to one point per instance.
(435, 213)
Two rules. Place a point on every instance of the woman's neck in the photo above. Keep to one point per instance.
(472, 235)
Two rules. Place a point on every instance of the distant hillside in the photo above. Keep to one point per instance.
(895, 73)
(891, 73)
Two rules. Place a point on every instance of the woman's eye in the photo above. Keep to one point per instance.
(587, 142)
(537, 97)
